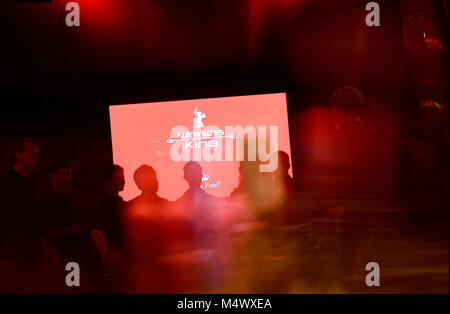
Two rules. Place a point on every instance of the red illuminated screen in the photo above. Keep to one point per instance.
(144, 134)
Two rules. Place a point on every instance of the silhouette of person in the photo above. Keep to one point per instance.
(355, 139)
(196, 204)
(203, 212)
(148, 234)
(282, 177)
(62, 224)
(247, 171)
(193, 174)
(109, 215)
(255, 188)
(147, 213)
(283, 188)
(110, 210)
(19, 230)
(146, 180)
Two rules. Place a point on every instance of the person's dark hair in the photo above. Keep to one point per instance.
(347, 97)
(283, 160)
(60, 163)
(107, 171)
(192, 165)
(193, 173)
(17, 147)
(141, 173)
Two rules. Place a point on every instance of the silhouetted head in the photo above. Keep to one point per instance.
(145, 179)
(347, 98)
(248, 169)
(24, 155)
(61, 174)
(112, 179)
(193, 174)
(283, 162)
(348, 105)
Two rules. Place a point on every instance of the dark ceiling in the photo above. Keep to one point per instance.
(142, 50)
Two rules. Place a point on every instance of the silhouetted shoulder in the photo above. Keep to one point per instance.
(139, 199)
(163, 201)
(134, 201)
(185, 196)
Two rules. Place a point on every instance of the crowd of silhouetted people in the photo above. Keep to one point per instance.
(147, 244)
(199, 242)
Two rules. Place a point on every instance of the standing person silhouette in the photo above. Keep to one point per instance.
(109, 216)
(148, 234)
(284, 190)
(20, 247)
(201, 209)
(65, 229)
(197, 205)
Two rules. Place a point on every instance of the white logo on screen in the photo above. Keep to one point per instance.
(200, 139)
(197, 137)
(198, 117)
(209, 185)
